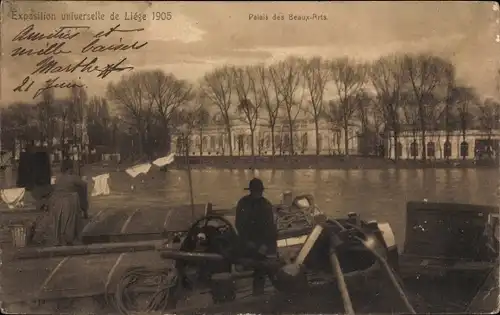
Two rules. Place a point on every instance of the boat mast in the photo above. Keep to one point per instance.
(190, 181)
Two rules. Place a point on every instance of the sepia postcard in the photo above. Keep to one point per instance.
(184, 157)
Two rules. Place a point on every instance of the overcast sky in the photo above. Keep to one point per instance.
(201, 36)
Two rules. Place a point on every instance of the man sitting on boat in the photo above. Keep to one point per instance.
(256, 228)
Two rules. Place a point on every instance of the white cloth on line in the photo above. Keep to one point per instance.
(53, 180)
(13, 197)
(101, 186)
(138, 169)
(164, 160)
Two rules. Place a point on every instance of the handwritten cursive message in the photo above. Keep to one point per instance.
(54, 56)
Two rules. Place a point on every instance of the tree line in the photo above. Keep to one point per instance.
(396, 93)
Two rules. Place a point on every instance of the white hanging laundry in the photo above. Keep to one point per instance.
(101, 186)
(13, 197)
(53, 180)
(164, 160)
(138, 169)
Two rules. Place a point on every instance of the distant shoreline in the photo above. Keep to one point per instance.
(323, 162)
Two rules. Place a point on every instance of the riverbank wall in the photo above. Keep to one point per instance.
(322, 162)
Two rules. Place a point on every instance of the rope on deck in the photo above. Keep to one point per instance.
(133, 280)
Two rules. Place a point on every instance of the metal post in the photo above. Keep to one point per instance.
(190, 181)
(339, 275)
(346, 299)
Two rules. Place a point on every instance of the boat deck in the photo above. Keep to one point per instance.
(85, 276)
(59, 277)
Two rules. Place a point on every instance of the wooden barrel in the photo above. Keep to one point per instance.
(223, 288)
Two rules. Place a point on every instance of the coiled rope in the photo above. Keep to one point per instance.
(142, 279)
(286, 217)
(286, 220)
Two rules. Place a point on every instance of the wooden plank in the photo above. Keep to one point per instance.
(122, 238)
(79, 277)
(141, 224)
(93, 220)
(149, 221)
(109, 223)
(92, 249)
(21, 279)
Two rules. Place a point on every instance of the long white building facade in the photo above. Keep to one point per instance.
(475, 144)
(213, 140)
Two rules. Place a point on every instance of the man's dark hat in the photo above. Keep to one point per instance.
(255, 185)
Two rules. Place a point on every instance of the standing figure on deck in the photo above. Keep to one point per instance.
(68, 205)
(256, 228)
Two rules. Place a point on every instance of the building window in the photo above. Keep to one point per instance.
(286, 141)
(221, 142)
(447, 149)
(179, 145)
(305, 141)
(267, 142)
(320, 141)
(277, 141)
(399, 149)
(464, 149)
(213, 143)
(431, 149)
(248, 143)
(205, 143)
(241, 143)
(414, 149)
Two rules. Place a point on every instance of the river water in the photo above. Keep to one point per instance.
(374, 194)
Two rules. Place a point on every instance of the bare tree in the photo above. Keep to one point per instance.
(200, 120)
(316, 76)
(286, 78)
(489, 116)
(464, 99)
(47, 117)
(349, 79)
(272, 100)
(448, 109)
(364, 111)
(137, 108)
(168, 94)
(388, 79)
(188, 121)
(99, 121)
(19, 123)
(77, 116)
(426, 74)
(217, 86)
(250, 99)
(410, 113)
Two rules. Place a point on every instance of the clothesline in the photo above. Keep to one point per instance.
(13, 197)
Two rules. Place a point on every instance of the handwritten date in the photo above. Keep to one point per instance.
(27, 83)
